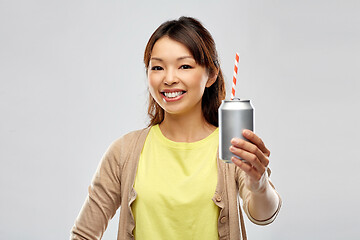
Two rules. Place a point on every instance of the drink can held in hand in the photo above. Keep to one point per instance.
(234, 116)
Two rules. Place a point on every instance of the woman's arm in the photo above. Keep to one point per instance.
(102, 201)
(263, 202)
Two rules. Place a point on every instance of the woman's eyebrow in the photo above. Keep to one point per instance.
(155, 58)
(184, 57)
(178, 59)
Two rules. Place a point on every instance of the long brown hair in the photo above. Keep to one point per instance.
(200, 43)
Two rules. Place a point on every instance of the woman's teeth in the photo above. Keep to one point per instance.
(172, 94)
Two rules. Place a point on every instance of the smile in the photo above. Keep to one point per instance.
(172, 96)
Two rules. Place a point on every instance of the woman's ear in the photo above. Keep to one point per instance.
(212, 79)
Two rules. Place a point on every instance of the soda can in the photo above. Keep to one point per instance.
(234, 116)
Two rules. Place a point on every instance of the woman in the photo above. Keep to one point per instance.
(167, 178)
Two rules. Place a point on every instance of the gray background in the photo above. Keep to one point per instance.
(72, 81)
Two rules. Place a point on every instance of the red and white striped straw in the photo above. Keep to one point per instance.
(237, 59)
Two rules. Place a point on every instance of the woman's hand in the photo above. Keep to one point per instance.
(256, 157)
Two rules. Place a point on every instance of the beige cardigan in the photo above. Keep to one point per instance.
(112, 187)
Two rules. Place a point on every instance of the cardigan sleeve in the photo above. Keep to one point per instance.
(102, 201)
(244, 193)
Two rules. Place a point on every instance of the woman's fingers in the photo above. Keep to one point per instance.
(239, 147)
(252, 137)
(255, 156)
(242, 150)
(247, 168)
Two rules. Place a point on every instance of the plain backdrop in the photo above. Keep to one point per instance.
(72, 81)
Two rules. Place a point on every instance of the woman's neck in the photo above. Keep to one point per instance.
(186, 127)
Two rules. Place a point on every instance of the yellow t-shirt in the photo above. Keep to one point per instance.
(175, 183)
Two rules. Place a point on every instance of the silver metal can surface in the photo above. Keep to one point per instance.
(234, 116)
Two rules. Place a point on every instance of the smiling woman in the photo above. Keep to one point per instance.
(168, 178)
(176, 81)
(198, 47)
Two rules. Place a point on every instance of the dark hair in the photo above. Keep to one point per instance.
(200, 43)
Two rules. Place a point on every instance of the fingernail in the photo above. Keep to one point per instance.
(246, 132)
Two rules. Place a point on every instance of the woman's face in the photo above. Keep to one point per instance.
(176, 81)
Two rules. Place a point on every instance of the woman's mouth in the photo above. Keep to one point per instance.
(172, 96)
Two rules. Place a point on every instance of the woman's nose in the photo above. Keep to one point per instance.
(170, 77)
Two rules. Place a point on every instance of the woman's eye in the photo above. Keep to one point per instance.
(185, 67)
(156, 68)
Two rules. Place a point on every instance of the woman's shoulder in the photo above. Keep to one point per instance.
(135, 138)
(126, 146)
